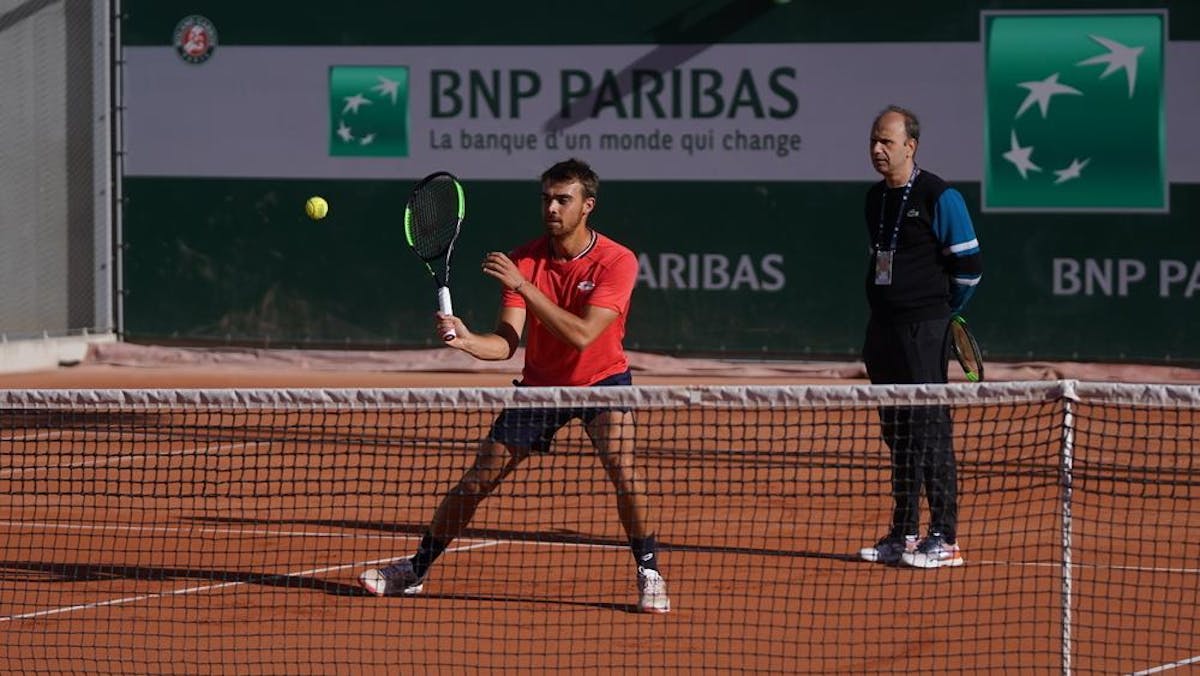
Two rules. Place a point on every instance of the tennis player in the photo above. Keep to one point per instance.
(573, 286)
(924, 266)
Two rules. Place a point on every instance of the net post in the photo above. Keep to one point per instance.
(1065, 479)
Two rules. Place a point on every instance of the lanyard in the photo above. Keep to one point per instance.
(899, 212)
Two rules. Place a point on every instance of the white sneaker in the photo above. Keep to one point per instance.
(652, 592)
(397, 578)
(889, 549)
(934, 552)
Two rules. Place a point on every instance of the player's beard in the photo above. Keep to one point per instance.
(564, 226)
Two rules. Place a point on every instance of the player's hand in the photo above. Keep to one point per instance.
(501, 267)
(447, 323)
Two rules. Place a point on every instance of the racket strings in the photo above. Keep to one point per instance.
(434, 213)
(965, 349)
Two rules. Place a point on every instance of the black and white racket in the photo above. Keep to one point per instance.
(432, 220)
(965, 348)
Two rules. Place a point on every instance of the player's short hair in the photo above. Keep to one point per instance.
(573, 170)
(912, 126)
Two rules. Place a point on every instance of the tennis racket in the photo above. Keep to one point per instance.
(965, 349)
(432, 220)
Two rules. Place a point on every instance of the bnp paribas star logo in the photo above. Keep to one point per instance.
(1075, 111)
(368, 111)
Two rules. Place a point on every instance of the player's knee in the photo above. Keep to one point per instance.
(612, 463)
(475, 485)
(621, 474)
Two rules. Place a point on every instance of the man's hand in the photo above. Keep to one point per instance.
(446, 324)
(501, 267)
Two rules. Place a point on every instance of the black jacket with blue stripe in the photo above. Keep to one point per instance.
(937, 262)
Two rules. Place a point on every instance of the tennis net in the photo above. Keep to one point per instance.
(200, 531)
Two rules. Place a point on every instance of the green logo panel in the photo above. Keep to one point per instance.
(368, 111)
(1075, 116)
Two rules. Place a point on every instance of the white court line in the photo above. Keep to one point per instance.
(37, 436)
(1168, 666)
(70, 434)
(213, 587)
(1089, 566)
(17, 471)
(73, 434)
(289, 533)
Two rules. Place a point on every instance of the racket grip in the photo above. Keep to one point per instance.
(446, 308)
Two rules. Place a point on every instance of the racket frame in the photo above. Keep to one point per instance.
(444, 253)
(958, 331)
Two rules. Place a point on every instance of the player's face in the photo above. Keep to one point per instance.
(564, 208)
(891, 148)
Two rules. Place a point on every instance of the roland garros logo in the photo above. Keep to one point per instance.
(195, 39)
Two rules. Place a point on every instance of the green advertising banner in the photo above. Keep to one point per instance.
(732, 143)
(1075, 112)
(368, 111)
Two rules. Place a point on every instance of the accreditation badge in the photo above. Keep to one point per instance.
(883, 267)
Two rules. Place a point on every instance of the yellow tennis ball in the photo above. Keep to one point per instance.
(316, 208)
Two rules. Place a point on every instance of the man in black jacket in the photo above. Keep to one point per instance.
(925, 264)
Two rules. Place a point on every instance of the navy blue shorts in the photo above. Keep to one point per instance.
(534, 428)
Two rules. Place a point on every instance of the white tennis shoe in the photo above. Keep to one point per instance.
(934, 552)
(397, 578)
(652, 592)
(889, 549)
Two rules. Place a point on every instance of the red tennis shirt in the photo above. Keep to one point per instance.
(602, 276)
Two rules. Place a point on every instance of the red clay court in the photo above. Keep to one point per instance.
(155, 529)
